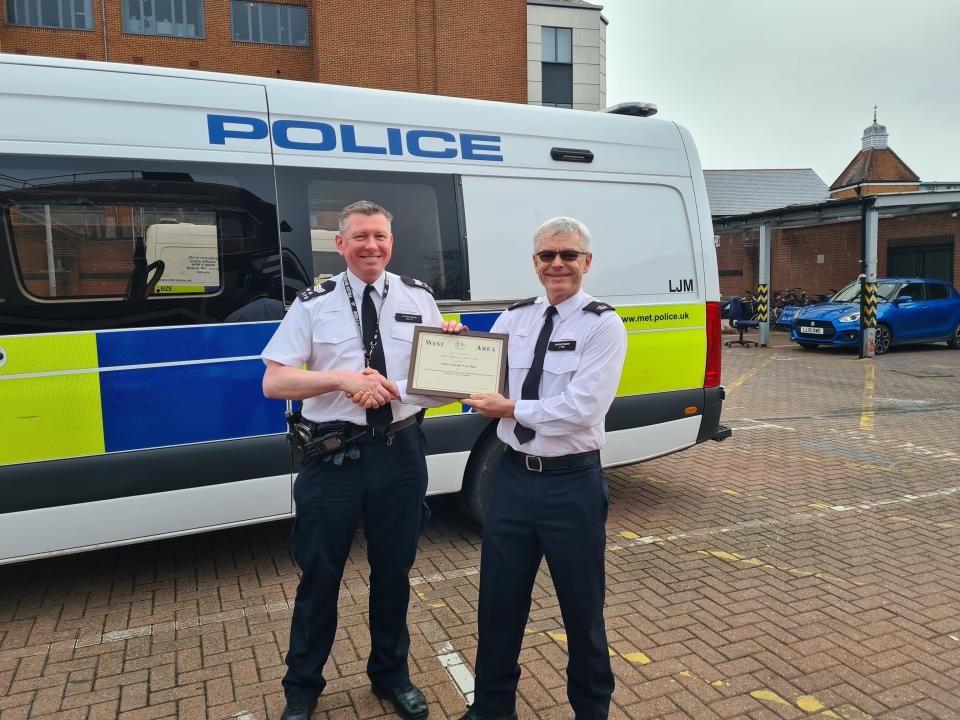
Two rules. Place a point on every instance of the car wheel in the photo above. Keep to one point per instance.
(954, 341)
(882, 339)
(474, 498)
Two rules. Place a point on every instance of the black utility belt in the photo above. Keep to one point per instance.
(311, 439)
(535, 463)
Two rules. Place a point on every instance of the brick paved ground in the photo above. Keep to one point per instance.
(805, 568)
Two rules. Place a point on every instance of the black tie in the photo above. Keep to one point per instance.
(381, 417)
(531, 383)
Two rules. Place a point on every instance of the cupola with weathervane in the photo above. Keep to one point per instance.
(875, 170)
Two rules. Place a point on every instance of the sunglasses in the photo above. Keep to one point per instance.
(548, 256)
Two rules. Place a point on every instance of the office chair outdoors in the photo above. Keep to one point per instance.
(740, 322)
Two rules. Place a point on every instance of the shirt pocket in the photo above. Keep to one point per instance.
(403, 331)
(520, 360)
(560, 363)
(333, 330)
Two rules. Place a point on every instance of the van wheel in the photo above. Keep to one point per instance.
(954, 340)
(474, 498)
(882, 339)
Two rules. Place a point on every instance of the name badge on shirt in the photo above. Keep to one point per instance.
(563, 345)
(408, 317)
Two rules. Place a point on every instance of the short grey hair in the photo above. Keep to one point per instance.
(362, 207)
(563, 226)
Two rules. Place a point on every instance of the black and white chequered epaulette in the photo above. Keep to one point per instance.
(413, 282)
(314, 292)
(522, 303)
(597, 307)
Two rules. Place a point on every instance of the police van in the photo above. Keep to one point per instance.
(156, 223)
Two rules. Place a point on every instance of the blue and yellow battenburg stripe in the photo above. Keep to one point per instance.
(77, 394)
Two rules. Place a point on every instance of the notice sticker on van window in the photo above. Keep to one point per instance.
(188, 255)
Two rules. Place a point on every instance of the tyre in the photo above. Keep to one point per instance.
(882, 340)
(474, 497)
(954, 340)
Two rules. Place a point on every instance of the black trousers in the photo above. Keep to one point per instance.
(385, 489)
(559, 515)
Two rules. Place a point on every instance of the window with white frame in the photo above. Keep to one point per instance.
(176, 18)
(270, 23)
(557, 66)
(65, 14)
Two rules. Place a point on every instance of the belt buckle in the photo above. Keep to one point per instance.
(528, 458)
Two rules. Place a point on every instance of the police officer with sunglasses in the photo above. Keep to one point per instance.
(549, 496)
(363, 454)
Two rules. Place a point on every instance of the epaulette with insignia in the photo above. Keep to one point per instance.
(522, 303)
(413, 282)
(314, 292)
(597, 307)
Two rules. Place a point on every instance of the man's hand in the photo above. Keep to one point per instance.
(491, 404)
(369, 389)
(453, 327)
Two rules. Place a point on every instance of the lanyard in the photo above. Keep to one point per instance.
(367, 352)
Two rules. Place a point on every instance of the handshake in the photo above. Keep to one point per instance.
(369, 389)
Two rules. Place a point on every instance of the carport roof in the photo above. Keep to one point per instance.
(736, 192)
(838, 211)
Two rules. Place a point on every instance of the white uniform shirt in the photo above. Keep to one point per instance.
(322, 333)
(581, 371)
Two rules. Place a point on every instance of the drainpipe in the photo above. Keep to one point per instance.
(103, 21)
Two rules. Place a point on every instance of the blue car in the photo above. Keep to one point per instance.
(910, 310)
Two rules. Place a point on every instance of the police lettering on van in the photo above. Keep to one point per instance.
(324, 137)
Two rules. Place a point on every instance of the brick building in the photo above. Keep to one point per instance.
(464, 48)
(822, 256)
(550, 52)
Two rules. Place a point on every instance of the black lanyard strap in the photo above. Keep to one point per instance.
(367, 351)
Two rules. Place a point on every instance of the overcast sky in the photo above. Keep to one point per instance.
(778, 84)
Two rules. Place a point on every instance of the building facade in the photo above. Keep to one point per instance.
(462, 48)
(566, 54)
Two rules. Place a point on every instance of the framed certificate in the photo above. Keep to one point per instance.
(457, 366)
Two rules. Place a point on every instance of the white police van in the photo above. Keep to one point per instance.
(156, 222)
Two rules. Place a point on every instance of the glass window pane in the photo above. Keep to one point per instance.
(131, 16)
(241, 21)
(149, 24)
(298, 19)
(548, 36)
(194, 18)
(564, 45)
(269, 23)
(50, 13)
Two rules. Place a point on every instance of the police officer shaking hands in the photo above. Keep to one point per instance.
(549, 496)
(363, 454)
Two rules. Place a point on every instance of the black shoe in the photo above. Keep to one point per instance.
(474, 714)
(298, 711)
(406, 698)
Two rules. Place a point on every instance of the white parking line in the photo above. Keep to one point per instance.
(457, 669)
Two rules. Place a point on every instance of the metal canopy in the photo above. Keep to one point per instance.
(835, 211)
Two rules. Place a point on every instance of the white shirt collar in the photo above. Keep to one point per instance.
(569, 306)
(358, 285)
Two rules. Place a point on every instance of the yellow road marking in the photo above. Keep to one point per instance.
(637, 658)
(729, 492)
(757, 562)
(867, 404)
(819, 506)
(747, 375)
(628, 535)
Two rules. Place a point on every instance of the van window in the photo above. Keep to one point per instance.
(132, 242)
(425, 226)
